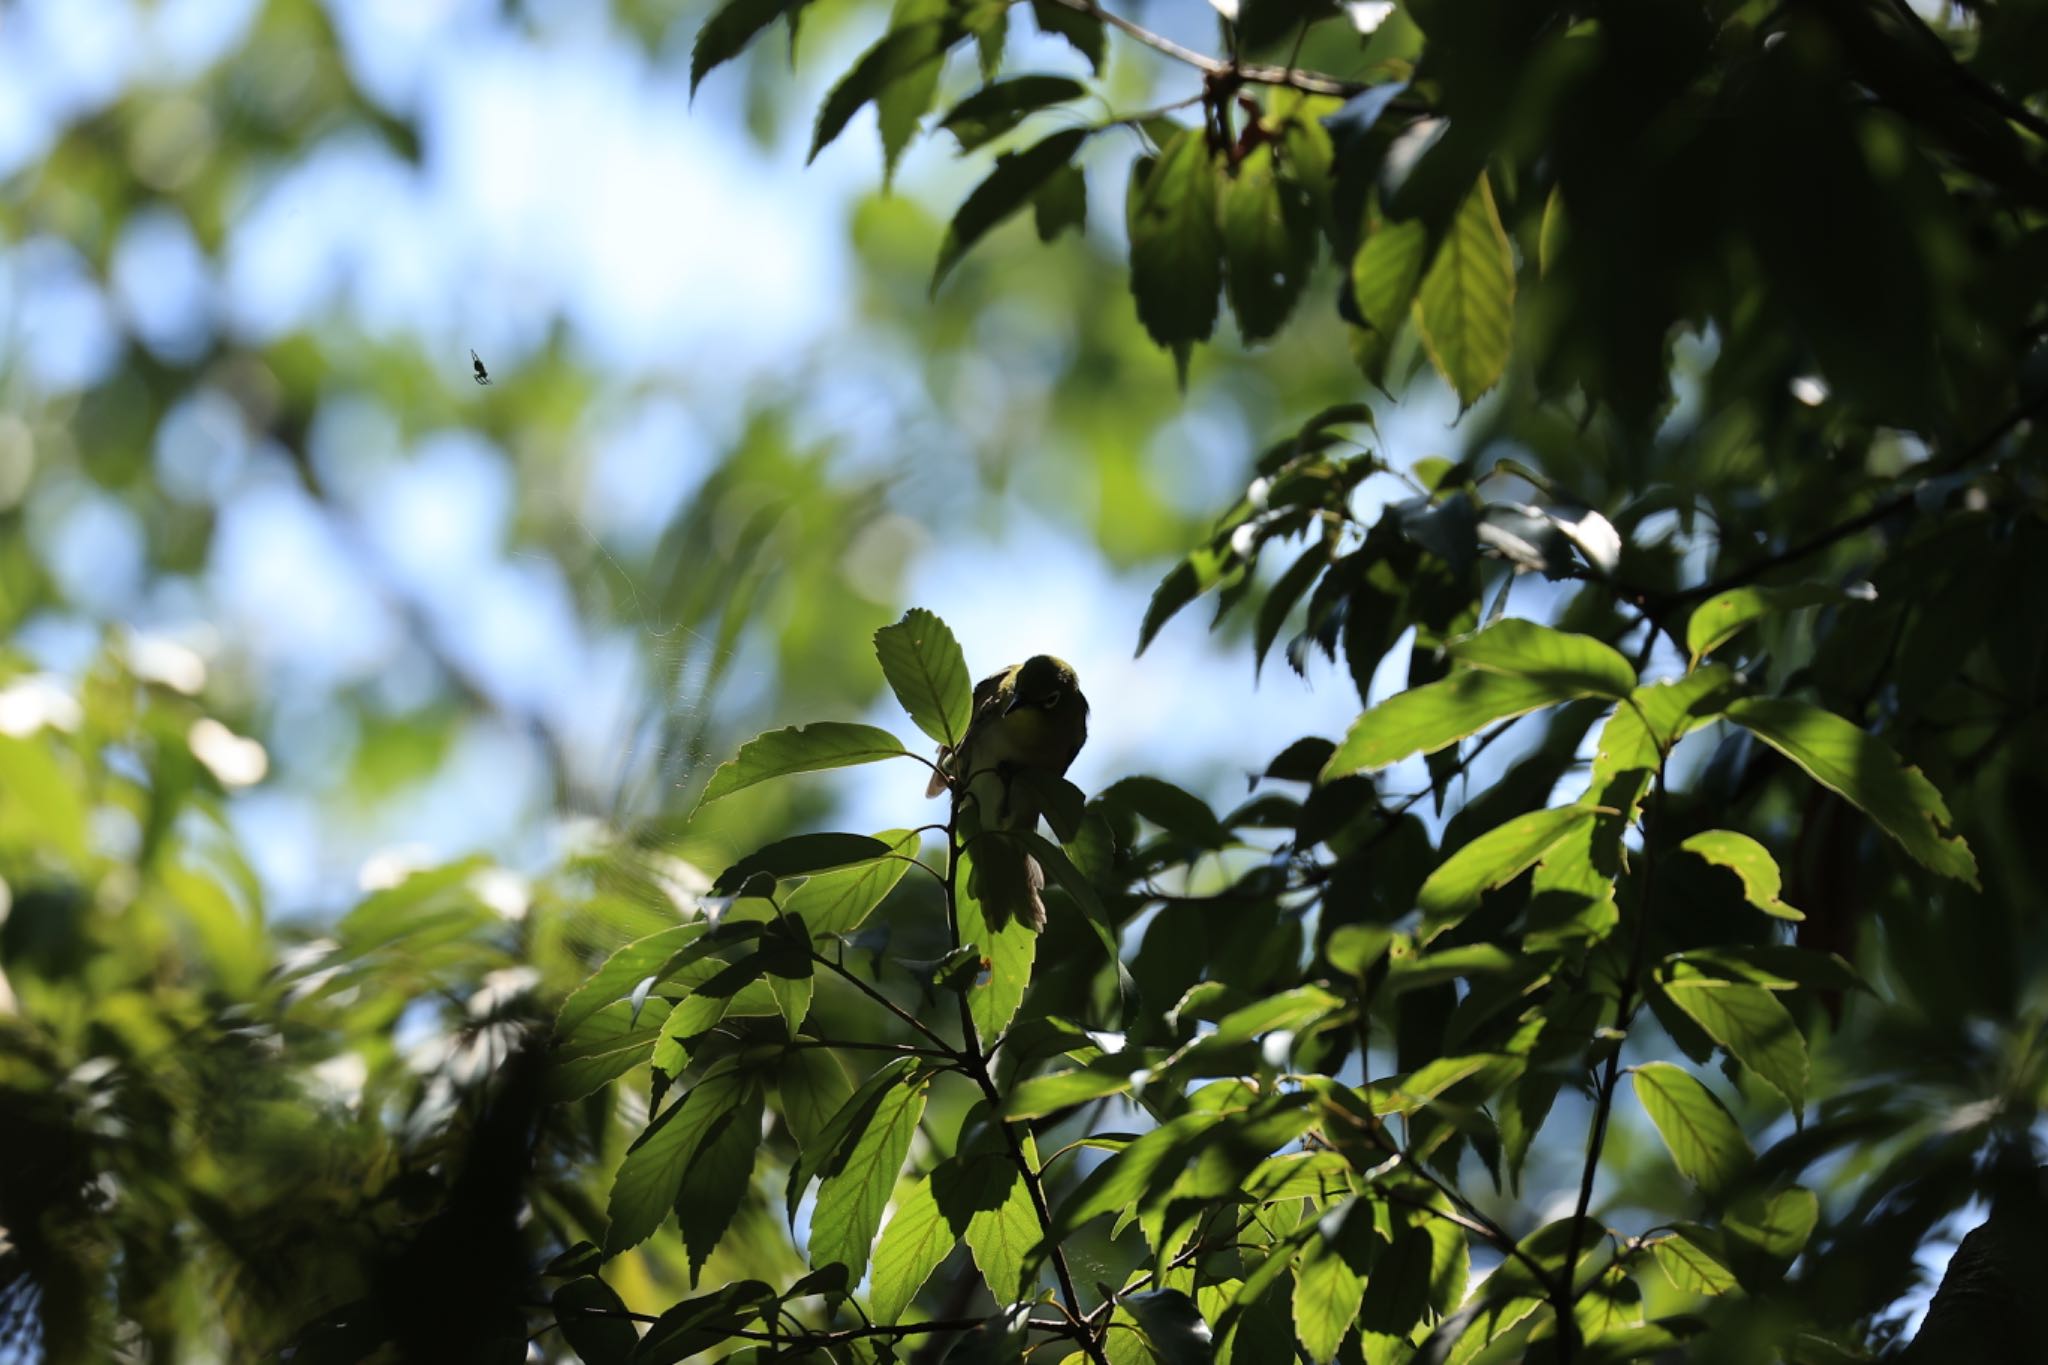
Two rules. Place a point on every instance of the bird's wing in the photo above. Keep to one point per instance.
(987, 708)
(474, 358)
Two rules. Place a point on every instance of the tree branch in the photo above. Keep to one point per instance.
(976, 1066)
(1289, 77)
(1627, 1003)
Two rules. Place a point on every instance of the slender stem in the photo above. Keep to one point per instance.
(1310, 82)
(1841, 530)
(901, 1049)
(975, 1064)
(1626, 1005)
(828, 1337)
(886, 1003)
(1468, 1215)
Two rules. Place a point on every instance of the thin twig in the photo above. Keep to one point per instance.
(1842, 530)
(1309, 82)
(975, 1064)
(905, 1015)
(827, 1337)
(1627, 1003)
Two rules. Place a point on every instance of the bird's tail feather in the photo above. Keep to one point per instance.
(1007, 881)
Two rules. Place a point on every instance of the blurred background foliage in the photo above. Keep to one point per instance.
(349, 711)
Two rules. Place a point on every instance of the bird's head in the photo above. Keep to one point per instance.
(1043, 681)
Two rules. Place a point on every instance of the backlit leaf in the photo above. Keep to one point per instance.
(851, 1200)
(1176, 247)
(925, 668)
(1009, 187)
(1702, 1137)
(903, 52)
(1466, 305)
(1493, 860)
(1863, 769)
(1579, 664)
(999, 106)
(800, 749)
(1749, 1021)
(1748, 860)
(1424, 719)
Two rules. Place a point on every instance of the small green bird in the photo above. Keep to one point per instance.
(1029, 716)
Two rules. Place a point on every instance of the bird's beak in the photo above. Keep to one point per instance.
(1015, 698)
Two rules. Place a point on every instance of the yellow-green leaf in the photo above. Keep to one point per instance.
(800, 749)
(1750, 861)
(1466, 306)
(1863, 769)
(1702, 1137)
(1493, 860)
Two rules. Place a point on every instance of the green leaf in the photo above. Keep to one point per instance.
(801, 749)
(1083, 31)
(1282, 597)
(1689, 1268)
(1016, 177)
(622, 971)
(1777, 1224)
(1396, 1297)
(1002, 1224)
(1327, 1294)
(716, 990)
(1749, 1022)
(1120, 1181)
(792, 999)
(1702, 1137)
(651, 1176)
(1354, 948)
(1071, 880)
(928, 673)
(851, 1200)
(1061, 203)
(594, 1321)
(1386, 272)
(1186, 581)
(1865, 771)
(1493, 860)
(1174, 809)
(1269, 244)
(903, 102)
(1748, 860)
(798, 856)
(1725, 615)
(726, 34)
(698, 1324)
(822, 1156)
(1292, 1009)
(1466, 305)
(1059, 800)
(606, 1046)
(1578, 664)
(1553, 232)
(1176, 248)
(719, 1176)
(913, 1244)
(1424, 719)
(1639, 734)
(998, 107)
(840, 902)
(1172, 1325)
(993, 997)
(1043, 1095)
(903, 52)
(811, 1085)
